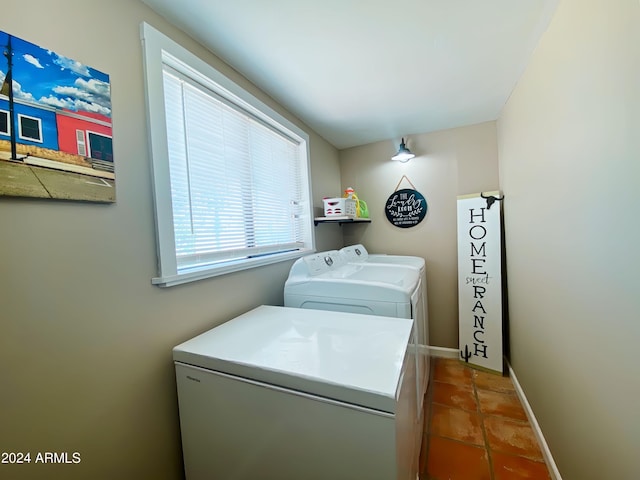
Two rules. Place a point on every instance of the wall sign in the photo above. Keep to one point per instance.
(405, 208)
(480, 280)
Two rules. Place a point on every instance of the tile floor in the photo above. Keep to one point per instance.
(476, 428)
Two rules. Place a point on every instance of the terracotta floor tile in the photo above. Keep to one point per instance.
(449, 370)
(512, 437)
(456, 424)
(492, 381)
(453, 444)
(508, 467)
(502, 404)
(454, 396)
(450, 460)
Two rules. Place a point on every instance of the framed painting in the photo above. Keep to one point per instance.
(55, 126)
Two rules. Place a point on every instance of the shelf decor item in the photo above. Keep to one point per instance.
(339, 207)
(55, 126)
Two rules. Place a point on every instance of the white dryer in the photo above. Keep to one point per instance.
(327, 281)
(285, 393)
(359, 254)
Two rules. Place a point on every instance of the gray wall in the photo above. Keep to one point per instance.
(85, 339)
(570, 170)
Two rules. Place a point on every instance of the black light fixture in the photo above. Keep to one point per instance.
(404, 154)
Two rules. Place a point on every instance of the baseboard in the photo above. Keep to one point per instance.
(444, 352)
(546, 452)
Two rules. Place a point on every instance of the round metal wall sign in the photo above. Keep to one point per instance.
(405, 208)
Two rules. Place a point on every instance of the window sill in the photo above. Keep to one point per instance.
(215, 271)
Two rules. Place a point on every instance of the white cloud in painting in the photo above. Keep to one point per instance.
(91, 95)
(21, 94)
(18, 93)
(91, 107)
(91, 90)
(69, 64)
(88, 95)
(75, 104)
(97, 88)
(32, 60)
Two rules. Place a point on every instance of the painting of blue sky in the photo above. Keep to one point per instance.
(55, 125)
(45, 77)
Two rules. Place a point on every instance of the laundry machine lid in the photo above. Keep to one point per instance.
(406, 260)
(359, 254)
(352, 358)
(341, 280)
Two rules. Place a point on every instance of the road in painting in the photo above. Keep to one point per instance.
(55, 126)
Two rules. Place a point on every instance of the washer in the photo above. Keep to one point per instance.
(283, 392)
(327, 281)
(359, 254)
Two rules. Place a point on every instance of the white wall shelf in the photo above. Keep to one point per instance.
(340, 220)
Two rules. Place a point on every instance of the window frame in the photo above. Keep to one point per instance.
(158, 49)
(22, 135)
(7, 114)
(89, 149)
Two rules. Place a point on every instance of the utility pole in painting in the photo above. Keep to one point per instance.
(7, 89)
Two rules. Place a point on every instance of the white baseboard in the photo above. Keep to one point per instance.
(444, 352)
(546, 452)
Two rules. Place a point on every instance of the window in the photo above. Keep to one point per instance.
(101, 146)
(30, 128)
(4, 122)
(231, 176)
(82, 146)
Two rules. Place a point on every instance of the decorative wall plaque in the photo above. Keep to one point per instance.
(405, 208)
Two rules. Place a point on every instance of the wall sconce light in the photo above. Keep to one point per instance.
(404, 154)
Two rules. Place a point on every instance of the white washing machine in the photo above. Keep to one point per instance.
(327, 281)
(359, 254)
(287, 393)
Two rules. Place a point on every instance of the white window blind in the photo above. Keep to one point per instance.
(82, 146)
(230, 175)
(235, 182)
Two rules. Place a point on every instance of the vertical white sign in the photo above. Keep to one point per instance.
(480, 281)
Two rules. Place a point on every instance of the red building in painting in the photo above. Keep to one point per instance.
(85, 134)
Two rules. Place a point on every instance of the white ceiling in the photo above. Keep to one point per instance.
(360, 71)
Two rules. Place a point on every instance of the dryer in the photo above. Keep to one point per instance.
(327, 281)
(359, 254)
